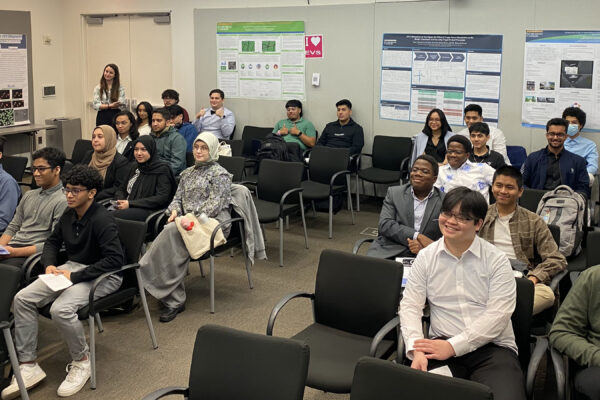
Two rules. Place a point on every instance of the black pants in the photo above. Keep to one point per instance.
(136, 214)
(494, 366)
(587, 383)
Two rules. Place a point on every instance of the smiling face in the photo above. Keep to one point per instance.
(434, 122)
(506, 191)
(98, 141)
(216, 101)
(45, 176)
(457, 227)
(293, 113)
(471, 117)
(456, 155)
(109, 74)
(421, 176)
(142, 112)
(140, 153)
(556, 136)
(201, 151)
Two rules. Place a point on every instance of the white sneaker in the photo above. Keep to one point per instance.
(32, 375)
(78, 374)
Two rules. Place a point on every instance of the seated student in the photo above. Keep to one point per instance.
(295, 129)
(144, 118)
(149, 186)
(89, 234)
(38, 211)
(126, 133)
(185, 129)
(461, 172)
(170, 97)
(218, 120)
(554, 165)
(471, 292)
(474, 113)
(576, 331)
(105, 159)
(203, 188)
(344, 132)
(169, 144)
(433, 140)
(408, 220)
(479, 133)
(9, 193)
(521, 234)
(577, 144)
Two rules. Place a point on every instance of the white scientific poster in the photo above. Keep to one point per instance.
(561, 70)
(421, 72)
(261, 60)
(14, 85)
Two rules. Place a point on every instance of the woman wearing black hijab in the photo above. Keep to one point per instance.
(150, 185)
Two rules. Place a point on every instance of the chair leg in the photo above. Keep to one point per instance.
(99, 322)
(303, 221)
(281, 242)
(92, 352)
(15, 363)
(350, 198)
(541, 345)
(146, 310)
(559, 372)
(201, 269)
(330, 216)
(357, 194)
(313, 208)
(374, 190)
(212, 284)
(246, 258)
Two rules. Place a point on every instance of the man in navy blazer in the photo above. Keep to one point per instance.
(409, 217)
(554, 165)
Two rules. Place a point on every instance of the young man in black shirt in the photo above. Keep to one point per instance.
(344, 132)
(89, 234)
(479, 133)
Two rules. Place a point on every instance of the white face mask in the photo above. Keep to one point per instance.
(573, 129)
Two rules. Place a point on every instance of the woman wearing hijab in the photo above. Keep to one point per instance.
(203, 188)
(113, 167)
(149, 186)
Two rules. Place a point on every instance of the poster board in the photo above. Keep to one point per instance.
(14, 83)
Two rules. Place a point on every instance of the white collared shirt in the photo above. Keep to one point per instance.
(122, 143)
(419, 210)
(471, 298)
(475, 176)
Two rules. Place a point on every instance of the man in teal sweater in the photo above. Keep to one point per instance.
(171, 146)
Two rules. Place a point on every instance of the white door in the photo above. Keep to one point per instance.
(140, 48)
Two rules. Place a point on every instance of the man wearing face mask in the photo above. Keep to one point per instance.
(577, 144)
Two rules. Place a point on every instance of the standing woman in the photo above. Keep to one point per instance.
(144, 118)
(433, 140)
(109, 96)
(113, 167)
(127, 133)
(150, 185)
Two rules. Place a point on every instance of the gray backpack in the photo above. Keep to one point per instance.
(566, 209)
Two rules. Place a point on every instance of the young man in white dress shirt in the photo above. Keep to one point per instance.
(471, 292)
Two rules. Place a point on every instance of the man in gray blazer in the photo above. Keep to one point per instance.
(409, 217)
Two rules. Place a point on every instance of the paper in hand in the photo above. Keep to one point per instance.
(3, 251)
(55, 282)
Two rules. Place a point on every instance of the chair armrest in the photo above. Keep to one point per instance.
(29, 264)
(154, 215)
(280, 305)
(334, 177)
(360, 242)
(285, 195)
(168, 391)
(404, 164)
(5, 324)
(105, 275)
(557, 278)
(214, 232)
(104, 202)
(247, 183)
(387, 328)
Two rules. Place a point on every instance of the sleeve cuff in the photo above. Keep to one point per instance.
(460, 345)
(415, 235)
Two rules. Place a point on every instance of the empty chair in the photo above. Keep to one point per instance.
(235, 365)
(15, 166)
(233, 165)
(251, 133)
(531, 198)
(80, 149)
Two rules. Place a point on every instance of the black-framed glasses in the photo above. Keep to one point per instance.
(74, 191)
(39, 169)
(461, 219)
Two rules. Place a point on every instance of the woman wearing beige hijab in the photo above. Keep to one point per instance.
(104, 157)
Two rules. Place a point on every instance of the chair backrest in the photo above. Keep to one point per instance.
(233, 165)
(356, 294)
(389, 151)
(521, 319)
(277, 177)
(236, 147)
(132, 235)
(81, 147)
(592, 250)
(253, 132)
(10, 278)
(517, 155)
(14, 166)
(189, 159)
(326, 161)
(384, 380)
(236, 365)
(531, 198)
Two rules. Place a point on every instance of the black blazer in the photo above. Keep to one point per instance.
(116, 173)
(150, 191)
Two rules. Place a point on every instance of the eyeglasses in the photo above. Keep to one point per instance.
(121, 123)
(552, 134)
(39, 169)
(74, 191)
(457, 152)
(459, 218)
(201, 149)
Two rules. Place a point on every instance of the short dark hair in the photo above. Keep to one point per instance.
(170, 94)
(294, 103)
(558, 122)
(472, 203)
(175, 110)
(85, 176)
(54, 156)
(163, 111)
(434, 164)
(466, 143)
(510, 171)
(575, 112)
(474, 107)
(219, 91)
(344, 102)
(2, 141)
(480, 127)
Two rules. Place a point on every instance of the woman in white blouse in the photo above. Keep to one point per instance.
(109, 96)
(144, 118)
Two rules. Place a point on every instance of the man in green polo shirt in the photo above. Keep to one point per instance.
(295, 129)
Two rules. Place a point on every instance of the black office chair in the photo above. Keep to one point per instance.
(531, 198)
(234, 165)
(249, 134)
(384, 380)
(80, 149)
(355, 307)
(190, 161)
(390, 158)
(15, 166)
(236, 147)
(236, 365)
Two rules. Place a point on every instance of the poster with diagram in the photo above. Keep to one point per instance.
(261, 60)
(561, 70)
(14, 85)
(422, 72)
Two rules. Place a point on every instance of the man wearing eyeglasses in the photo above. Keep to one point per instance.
(554, 165)
(469, 286)
(38, 211)
(461, 172)
(408, 221)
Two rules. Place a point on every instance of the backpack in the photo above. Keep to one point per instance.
(273, 147)
(566, 209)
